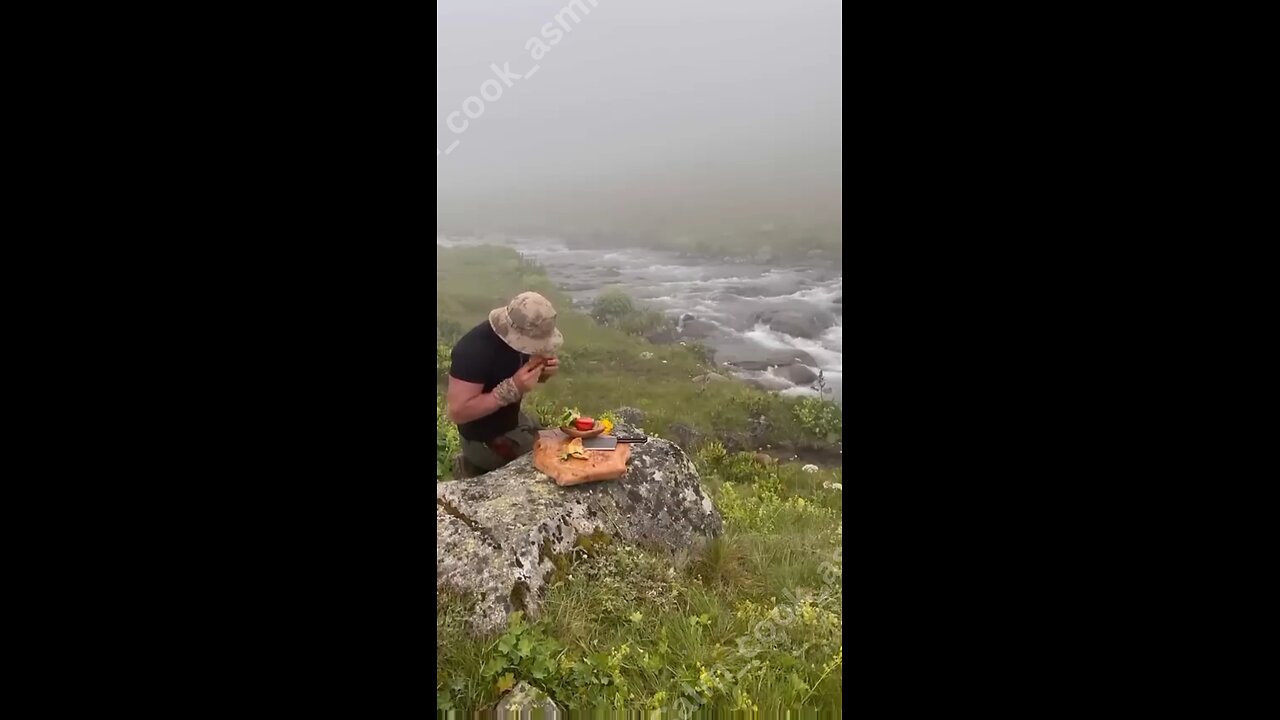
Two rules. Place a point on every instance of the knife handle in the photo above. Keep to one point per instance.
(635, 439)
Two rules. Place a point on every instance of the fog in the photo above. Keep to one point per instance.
(650, 117)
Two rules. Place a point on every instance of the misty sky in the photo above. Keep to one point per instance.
(703, 107)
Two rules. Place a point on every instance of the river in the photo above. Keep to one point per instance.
(775, 324)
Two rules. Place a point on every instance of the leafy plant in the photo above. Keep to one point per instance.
(546, 411)
(524, 650)
(567, 417)
(612, 306)
(444, 361)
(712, 454)
(819, 418)
(755, 499)
(448, 442)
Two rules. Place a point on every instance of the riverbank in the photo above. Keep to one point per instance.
(777, 326)
(604, 368)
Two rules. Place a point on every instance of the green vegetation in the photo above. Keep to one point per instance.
(612, 306)
(448, 441)
(615, 309)
(818, 418)
(751, 621)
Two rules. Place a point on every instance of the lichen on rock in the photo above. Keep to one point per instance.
(498, 535)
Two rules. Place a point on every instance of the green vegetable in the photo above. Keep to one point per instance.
(569, 416)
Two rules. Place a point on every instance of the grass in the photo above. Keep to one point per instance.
(752, 621)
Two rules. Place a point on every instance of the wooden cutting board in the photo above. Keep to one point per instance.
(601, 465)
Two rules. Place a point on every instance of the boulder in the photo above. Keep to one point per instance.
(769, 383)
(798, 374)
(630, 415)
(685, 435)
(773, 358)
(696, 329)
(527, 702)
(497, 536)
(797, 324)
(737, 441)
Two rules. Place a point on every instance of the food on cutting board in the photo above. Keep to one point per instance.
(575, 450)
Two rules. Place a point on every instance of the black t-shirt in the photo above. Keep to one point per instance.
(481, 356)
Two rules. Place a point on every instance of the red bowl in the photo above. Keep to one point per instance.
(574, 432)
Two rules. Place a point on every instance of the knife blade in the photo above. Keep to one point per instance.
(600, 442)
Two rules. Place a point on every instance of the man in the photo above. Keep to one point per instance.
(493, 367)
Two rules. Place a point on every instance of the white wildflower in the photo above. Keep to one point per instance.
(810, 468)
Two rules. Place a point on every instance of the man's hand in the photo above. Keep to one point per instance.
(549, 368)
(526, 378)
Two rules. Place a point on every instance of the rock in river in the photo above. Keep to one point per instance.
(696, 329)
(797, 324)
(798, 374)
(769, 383)
(497, 535)
(774, 358)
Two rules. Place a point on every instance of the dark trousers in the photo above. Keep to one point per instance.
(503, 449)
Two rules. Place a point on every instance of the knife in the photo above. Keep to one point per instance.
(610, 442)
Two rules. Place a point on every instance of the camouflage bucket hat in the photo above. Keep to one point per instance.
(528, 324)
